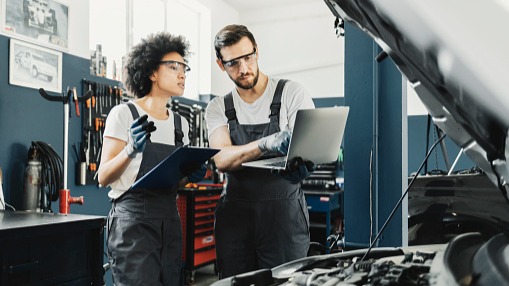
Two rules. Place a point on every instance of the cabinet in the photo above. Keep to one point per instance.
(51, 249)
(324, 208)
(196, 207)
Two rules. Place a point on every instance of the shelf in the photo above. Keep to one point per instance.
(317, 225)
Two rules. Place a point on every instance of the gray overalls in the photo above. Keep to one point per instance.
(144, 229)
(261, 219)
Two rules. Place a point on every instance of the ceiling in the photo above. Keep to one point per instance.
(244, 5)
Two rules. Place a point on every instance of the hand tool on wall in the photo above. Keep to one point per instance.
(103, 99)
(110, 94)
(96, 93)
(75, 99)
(118, 99)
(90, 106)
(65, 197)
(2, 200)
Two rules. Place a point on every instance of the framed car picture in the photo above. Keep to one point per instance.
(44, 22)
(34, 66)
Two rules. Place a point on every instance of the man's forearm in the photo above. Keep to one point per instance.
(231, 158)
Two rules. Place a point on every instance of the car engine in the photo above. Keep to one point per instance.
(466, 260)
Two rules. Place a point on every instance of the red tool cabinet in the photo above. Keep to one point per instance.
(196, 207)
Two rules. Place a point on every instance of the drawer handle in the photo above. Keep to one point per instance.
(20, 268)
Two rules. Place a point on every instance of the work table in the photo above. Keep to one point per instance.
(50, 249)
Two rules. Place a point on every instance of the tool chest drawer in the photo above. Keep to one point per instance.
(203, 256)
(205, 208)
(196, 208)
(203, 240)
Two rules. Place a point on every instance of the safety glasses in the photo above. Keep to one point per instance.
(234, 64)
(176, 67)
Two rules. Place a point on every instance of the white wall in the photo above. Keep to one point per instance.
(222, 14)
(79, 29)
(112, 37)
(298, 42)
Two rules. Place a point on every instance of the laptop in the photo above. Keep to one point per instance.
(316, 136)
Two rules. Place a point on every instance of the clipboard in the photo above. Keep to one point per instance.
(171, 170)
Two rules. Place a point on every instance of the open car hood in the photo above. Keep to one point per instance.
(455, 55)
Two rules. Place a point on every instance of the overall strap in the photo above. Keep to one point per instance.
(133, 109)
(179, 135)
(229, 108)
(275, 106)
(134, 113)
(231, 114)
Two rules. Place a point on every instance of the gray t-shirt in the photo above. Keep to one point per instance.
(294, 97)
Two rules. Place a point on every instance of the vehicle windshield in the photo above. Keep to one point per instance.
(39, 58)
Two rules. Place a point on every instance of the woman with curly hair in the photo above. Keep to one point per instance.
(144, 230)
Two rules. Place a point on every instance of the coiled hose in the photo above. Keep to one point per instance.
(51, 173)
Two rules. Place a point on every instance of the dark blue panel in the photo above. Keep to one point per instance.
(390, 137)
(371, 89)
(329, 101)
(358, 133)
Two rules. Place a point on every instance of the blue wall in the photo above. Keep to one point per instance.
(25, 116)
(417, 126)
(329, 101)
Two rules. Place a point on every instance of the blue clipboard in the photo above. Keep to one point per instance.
(171, 170)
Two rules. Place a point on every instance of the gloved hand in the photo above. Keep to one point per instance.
(297, 170)
(198, 174)
(139, 132)
(276, 142)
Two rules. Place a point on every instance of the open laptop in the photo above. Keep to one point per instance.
(316, 136)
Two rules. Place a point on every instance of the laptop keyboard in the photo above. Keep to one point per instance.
(277, 164)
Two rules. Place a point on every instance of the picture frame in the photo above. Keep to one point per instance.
(34, 66)
(44, 22)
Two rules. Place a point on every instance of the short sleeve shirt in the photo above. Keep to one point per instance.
(118, 122)
(294, 97)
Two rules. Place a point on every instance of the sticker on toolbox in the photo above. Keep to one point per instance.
(207, 239)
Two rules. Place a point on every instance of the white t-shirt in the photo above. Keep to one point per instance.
(119, 121)
(294, 97)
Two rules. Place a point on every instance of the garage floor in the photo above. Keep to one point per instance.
(204, 276)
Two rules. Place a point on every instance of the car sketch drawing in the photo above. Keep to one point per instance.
(36, 64)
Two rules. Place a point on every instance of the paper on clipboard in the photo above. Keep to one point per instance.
(170, 171)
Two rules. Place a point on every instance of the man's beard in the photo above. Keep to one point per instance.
(247, 85)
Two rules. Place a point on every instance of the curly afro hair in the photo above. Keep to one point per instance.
(144, 60)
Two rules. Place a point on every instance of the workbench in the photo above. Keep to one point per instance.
(51, 249)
